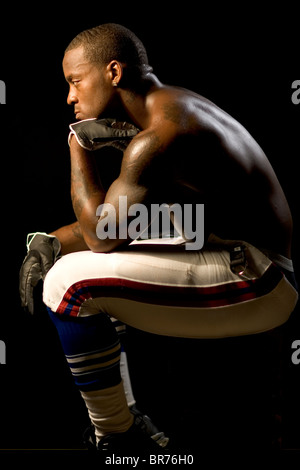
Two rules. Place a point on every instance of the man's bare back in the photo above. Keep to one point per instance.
(200, 154)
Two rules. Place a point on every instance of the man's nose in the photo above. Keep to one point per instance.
(72, 98)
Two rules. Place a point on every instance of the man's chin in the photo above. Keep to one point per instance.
(82, 117)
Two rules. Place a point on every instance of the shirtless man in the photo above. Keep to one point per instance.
(187, 151)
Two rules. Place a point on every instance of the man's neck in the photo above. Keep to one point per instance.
(135, 103)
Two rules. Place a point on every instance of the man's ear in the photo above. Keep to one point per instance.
(115, 71)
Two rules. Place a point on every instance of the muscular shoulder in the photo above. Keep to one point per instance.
(183, 110)
(170, 116)
(173, 124)
(143, 155)
(179, 123)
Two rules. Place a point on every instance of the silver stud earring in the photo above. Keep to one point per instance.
(114, 83)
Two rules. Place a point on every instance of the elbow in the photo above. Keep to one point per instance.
(93, 242)
(96, 245)
(105, 243)
(99, 246)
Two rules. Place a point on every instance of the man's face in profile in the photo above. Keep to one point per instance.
(89, 87)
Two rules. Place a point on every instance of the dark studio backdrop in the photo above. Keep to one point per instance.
(204, 394)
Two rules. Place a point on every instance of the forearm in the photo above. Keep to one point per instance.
(87, 192)
(71, 239)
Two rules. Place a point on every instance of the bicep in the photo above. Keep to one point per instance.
(122, 204)
(131, 193)
(135, 180)
(124, 190)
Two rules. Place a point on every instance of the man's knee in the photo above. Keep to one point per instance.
(57, 282)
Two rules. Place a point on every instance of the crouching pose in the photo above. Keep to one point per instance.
(184, 152)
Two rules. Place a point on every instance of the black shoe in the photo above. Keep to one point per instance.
(143, 433)
(89, 438)
(145, 424)
(133, 442)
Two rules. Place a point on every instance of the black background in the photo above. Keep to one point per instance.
(204, 394)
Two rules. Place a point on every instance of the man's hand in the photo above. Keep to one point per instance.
(43, 252)
(93, 134)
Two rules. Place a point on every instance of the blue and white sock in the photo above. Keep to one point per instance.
(92, 349)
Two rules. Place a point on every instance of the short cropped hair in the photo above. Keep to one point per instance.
(111, 41)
